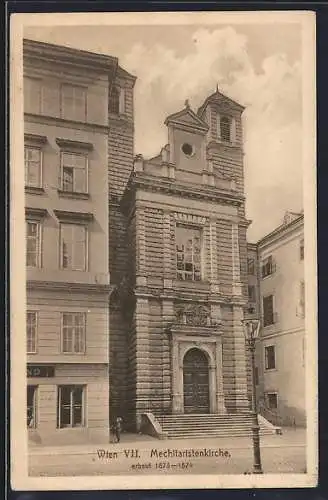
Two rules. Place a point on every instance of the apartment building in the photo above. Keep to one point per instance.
(281, 307)
(68, 97)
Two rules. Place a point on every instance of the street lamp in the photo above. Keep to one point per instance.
(251, 331)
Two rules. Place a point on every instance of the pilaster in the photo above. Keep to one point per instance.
(143, 382)
(168, 250)
(141, 266)
(167, 318)
(240, 368)
(236, 281)
(213, 257)
(219, 379)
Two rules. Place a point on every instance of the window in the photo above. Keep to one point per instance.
(188, 253)
(33, 246)
(32, 160)
(251, 266)
(32, 95)
(270, 357)
(74, 173)
(31, 331)
(114, 101)
(268, 267)
(187, 149)
(268, 314)
(225, 128)
(302, 249)
(74, 247)
(272, 400)
(31, 406)
(70, 406)
(117, 101)
(73, 333)
(73, 102)
(251, 293)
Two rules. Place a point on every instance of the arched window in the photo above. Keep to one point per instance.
(114, 101)
(225, 128)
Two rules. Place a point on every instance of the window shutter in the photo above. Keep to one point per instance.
(50, 99)
(233, 130)
(218, 125)
(122, 101)
(32, 95)
(79, 251)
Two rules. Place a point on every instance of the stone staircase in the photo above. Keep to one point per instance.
(212, 425)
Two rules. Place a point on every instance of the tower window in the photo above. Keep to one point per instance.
(187, 149)
(225, 128)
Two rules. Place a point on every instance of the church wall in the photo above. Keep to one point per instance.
(122, 333)
(154, 242)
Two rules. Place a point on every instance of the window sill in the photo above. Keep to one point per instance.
(267, 276)
(73, 195)
(73, 353)
(34, 190)
(266, 370)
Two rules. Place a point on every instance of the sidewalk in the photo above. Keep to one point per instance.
(289, 438)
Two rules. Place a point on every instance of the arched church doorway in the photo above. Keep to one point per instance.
(196, 382)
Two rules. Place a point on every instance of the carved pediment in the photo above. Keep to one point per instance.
(193, 315)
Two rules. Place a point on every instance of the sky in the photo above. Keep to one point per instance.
(259, 66)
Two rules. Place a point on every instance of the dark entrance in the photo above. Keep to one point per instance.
(195, 382)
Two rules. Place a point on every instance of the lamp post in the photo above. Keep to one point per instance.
(251, 331)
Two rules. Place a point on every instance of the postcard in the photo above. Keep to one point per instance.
(163, 207)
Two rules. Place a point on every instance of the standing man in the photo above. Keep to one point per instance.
(117, 428)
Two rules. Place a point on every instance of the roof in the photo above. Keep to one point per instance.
(284, 227)
(49, 52)
(187, 118)
(219, 98)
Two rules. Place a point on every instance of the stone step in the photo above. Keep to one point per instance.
(203, 425)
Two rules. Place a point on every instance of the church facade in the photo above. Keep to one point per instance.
(179, 263)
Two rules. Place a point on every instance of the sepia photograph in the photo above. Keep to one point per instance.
(163, 250)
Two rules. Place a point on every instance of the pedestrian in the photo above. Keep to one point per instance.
(117, 428)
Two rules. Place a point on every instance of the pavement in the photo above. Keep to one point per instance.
(143, 454)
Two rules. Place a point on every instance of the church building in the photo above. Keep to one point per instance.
(177, 345)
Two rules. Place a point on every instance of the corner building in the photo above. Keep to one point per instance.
(66, 103)
(177, 341)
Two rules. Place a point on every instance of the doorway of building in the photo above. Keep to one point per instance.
(196, 382)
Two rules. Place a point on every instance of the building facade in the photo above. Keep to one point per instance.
(279, 272)
(177, 341)
(67, 96)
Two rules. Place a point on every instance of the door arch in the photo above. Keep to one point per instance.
(196, 382)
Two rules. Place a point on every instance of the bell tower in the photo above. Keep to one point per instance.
(224, 138)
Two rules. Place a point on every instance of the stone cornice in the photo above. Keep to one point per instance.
(221, 145)
(36, 213)
(70, 124)
(69, 287)
(198, 295)
(65, 55)
(35, 139)
(66, 143)
(191, 331)
(65, 215)
(155, 184)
